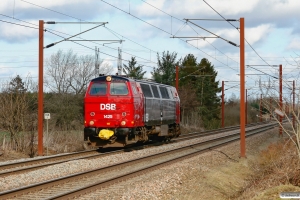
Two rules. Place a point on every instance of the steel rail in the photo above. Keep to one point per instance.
(91, 174)
(30, 165)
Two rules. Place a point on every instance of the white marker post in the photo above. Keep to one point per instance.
(47, 116)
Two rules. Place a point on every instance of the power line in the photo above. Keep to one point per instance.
(185, 23)
(18, 67)
(159, 29)
(126, 13)
(93, 49)
(221, 15)
(239, 31)
(17, 24)
(76, 42)
(123, 11)
(50, 10)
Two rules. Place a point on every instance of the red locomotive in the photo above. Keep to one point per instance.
(120, 111)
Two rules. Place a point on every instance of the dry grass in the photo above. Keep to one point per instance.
(56, 142)
(64, 141)
(277, 169)
(272, 166)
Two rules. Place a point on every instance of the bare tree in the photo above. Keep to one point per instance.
(59, 68)
(15, 110)
(70, 73)
(81, 73)
(271, 103)
(106, 68)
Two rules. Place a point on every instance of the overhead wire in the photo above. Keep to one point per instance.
(50, 10)
(160, 29)
(94, 49)
(17, 24)
(69, 34)
(74, 41)
(239, 31)
(198, 34)
(102, 51)
(185, 22)
(244, 39)
(126, 13)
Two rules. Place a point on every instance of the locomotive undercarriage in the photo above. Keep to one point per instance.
(126, 136)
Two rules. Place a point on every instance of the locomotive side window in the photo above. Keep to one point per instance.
(155, 91)
(133, 87)
(146, 90)
(164, 93)
(118, 88)
(98, 88)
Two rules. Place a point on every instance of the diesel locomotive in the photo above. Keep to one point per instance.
(119, 111)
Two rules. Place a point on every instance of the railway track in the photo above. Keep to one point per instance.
(90, 181)
(29, 165)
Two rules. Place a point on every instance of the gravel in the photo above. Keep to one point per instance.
(159, 184)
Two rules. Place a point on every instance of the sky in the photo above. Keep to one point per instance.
(147, 27)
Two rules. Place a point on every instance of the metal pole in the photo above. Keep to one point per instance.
(280, 98)
(223, 104)
(40, 88)
(242, 89)
(47, 138)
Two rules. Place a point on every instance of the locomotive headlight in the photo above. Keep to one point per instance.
(92, 123)
(108, 78)
(123, 123)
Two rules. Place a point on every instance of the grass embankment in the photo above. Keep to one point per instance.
(54, 142)
(264, 176)
(272, 166)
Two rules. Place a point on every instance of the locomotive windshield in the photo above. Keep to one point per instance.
(118, 88)
(107, 85)
(98, 88)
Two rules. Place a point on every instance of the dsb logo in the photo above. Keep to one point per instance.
(107, 106)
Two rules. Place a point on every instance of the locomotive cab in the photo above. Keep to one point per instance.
(109, 111)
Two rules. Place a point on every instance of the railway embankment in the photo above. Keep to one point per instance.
(271, 167)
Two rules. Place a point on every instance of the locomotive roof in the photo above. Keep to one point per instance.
(103, 78)
(124, 78)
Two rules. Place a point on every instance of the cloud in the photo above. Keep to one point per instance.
(256, 34)
(17, 34)
(54, 9)
(294, 44)
(4, 71)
